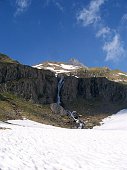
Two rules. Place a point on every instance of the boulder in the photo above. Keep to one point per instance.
(57, 109)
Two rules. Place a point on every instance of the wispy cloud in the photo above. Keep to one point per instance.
(103, 32)
(56, 3)
(91, 14)
(21, 6)
(114, 49)
(124, 18)
(112, 46)
(59, 6)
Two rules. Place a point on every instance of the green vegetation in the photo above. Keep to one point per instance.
(118, 76)
(5, 59)
(13, 107)
(113, 75)
(91, 72)
(91, 112)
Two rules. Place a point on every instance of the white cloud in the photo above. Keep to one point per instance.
(114, 49)
(103, 32)
(91, 15)
(21, 6)
(124, 18)
(112, 44)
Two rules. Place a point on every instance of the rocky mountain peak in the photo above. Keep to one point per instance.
(75, 62)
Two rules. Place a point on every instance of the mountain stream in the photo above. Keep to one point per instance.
(79, 124)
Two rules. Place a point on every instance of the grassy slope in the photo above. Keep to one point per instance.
(112, 75)
(13, 107)
(5, 59)
(91, 112)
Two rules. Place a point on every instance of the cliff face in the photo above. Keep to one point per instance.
(40, 86)
(93, 88)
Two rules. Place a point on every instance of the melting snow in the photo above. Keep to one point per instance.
(57, 68)
(53, 64)
(33, 146)
(115, 122)
(49, 68)
(69, 67)
(122, 74)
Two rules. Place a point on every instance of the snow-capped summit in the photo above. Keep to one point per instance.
(61, 67)
(74, 68)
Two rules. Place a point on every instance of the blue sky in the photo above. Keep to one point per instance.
(92, 31)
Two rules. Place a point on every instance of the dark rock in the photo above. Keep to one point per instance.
(93, 88)
(57, 109)
(30, 83)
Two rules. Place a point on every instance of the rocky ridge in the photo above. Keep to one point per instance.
(78, 70)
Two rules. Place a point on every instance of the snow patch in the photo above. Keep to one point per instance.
(57, 68)
(122, 74)
(115, 122)
(29, 145)
(69, 67)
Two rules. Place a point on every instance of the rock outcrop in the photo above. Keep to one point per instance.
(39, 86)
(93, 88)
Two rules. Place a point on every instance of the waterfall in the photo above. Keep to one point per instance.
(79, 124)
(60, 84)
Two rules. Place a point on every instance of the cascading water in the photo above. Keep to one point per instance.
(73, 115)
(60, 84)
(80, 124)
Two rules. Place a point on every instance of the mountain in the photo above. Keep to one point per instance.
(28, 91)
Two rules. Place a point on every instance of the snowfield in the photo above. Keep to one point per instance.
(58, 68)
(28, 145)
